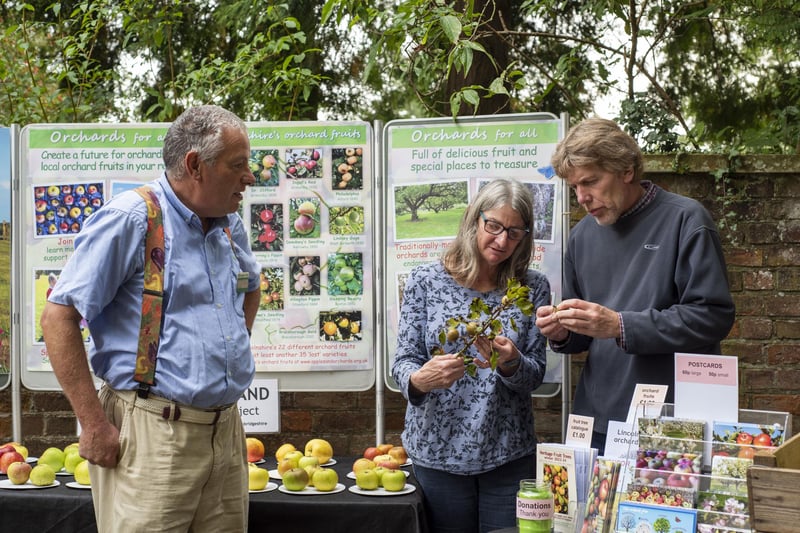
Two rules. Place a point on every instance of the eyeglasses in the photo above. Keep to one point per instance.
(496, 228)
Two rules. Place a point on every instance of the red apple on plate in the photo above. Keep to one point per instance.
(371, 452)
(255, 449)
(10, 457)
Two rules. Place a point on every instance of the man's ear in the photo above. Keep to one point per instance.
(192, 163)
(627, 176)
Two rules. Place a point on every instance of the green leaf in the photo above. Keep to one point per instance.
(451, 27)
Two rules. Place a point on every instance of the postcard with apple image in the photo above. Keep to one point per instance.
(644, 518)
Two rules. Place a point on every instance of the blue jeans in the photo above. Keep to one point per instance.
(473, 504)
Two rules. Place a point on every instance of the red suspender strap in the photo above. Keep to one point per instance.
(152, 296)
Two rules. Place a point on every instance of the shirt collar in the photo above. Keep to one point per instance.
(650, 189)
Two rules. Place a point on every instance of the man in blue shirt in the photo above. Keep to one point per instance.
(171, 457)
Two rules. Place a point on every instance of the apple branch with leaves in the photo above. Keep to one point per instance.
(484, 321)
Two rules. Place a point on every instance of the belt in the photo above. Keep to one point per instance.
(173, 411)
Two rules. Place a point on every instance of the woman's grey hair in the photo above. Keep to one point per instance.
(598, 142)
(461, 258)
(198, 129)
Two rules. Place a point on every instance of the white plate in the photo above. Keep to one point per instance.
(260, 461)
(274, 474)
(6, 484)
(330, 462)
(76, 485)
(311, 491)
(352, 475)
(407, 463)
(380, 491)
(270, 487)
(31, 459)
(63, 472)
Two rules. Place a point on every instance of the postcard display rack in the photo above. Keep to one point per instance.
(675, 480)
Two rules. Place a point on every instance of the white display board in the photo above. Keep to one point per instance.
(312, 205)
(434, 167)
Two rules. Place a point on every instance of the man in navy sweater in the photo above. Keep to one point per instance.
(644, 276)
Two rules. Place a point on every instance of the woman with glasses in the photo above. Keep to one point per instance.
(471, 438)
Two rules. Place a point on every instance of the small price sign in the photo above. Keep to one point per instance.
(579, 431)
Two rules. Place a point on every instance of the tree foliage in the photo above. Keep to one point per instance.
(700, 75)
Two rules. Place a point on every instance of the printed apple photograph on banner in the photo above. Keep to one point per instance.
(304, 163)
(345, 274)
(62, 209)
(344, 326)
(346, 220)
(271, 289)
(264, 165)
(429, 210)
(305, 272)
(43, 282)
(347, 168)
(266, 227)
(304, 218)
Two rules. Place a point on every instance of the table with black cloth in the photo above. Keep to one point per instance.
(66, 510)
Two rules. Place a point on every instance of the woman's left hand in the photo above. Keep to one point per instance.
(507, 353)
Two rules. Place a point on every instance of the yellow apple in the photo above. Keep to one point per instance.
(367, 479)
(384, 448)
(286, 464)
(319, 448)
(22, 450)
(295, 479)
(74, 446)
(257, 478)
(387, 461)
(310, 469)
(362, 463)
(393, 480)
(72, 460)
(294, 455)
(325, 479)
(283, 449)
(42, 475)
(255, 449)
(399, 454)
(82, 473)
(53, 457)
(307, 460)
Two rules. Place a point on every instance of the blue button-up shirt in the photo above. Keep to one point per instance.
(204, 357)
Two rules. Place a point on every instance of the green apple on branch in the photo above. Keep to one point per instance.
(483, 320)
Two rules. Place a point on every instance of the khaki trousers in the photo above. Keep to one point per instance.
(172, 476)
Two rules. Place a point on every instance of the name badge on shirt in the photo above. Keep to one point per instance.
(242, 279)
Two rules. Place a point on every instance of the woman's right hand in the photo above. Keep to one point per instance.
(439, 372)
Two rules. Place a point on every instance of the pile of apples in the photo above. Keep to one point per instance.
(13, 463)
(380, 467)
(298, 469)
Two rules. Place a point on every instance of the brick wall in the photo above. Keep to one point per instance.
(757, 207)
